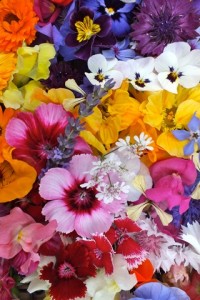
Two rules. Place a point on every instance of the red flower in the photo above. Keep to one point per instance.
(103, 251)
(120, 235)
(74, 264)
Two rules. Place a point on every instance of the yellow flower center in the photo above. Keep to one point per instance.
(168, 118)
(100, 77)
(7, 174)
(110, 11)
(86, 29)
(19, 236)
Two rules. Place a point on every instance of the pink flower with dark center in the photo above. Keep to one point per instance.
(34, 134)
(75, 207)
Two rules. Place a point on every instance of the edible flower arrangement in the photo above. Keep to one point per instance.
(100, 149)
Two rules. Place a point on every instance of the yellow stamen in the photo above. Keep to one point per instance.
(110, 11)
(86, 29)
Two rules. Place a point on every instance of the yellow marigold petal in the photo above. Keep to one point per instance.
(16, 178)
(7, 66)
(94, 120)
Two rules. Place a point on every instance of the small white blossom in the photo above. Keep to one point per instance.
(110, 192)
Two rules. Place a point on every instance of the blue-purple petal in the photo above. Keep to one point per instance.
(194, 123)
(181, 135)
(189, 148)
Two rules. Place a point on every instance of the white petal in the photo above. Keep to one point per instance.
(191, 76)
(117, 76)
(166, 60)
(180, 49)
(96, 62)
(166, 83)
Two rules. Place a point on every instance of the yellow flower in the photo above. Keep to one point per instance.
(166, 111)
(16, 98)
(16, 177)
(115, 113)
(34, 62)
(7, 66)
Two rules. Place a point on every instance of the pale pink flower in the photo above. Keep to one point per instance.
(19, 232)
(72, 205)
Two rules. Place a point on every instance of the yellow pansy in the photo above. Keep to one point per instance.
(115, 113)
(166, 111)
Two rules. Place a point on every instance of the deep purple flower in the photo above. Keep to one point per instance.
(118, 12)
(88, 32)
(161, 22)
(62, 71)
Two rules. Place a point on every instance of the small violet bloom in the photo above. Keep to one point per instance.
(121, 50)
(192, 135)
(157, 291)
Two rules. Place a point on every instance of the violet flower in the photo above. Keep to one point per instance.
(88, 32)
(161, 22)
(157, 291)
(192, 135)
(118, 12)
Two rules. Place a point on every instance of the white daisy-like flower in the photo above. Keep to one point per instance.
(178, 65)
(143, 141)
(142, 75)
(187, 256)
(102, 70)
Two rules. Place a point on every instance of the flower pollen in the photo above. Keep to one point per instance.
(86, 29)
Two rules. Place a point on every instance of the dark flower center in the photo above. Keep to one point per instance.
(164, 26)
(10, 17)
(66, 270)
(82, 199)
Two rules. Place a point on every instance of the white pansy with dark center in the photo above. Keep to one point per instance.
(142, 75)
(103, 70)
(178, 65)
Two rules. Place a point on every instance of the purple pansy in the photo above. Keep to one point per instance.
(118, 12)
(174, 21)
(193, 135)
(88, 32)
(157, 291)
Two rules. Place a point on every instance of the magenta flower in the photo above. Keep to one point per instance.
(19, 231)
(75, 207)
(34, 134)
(46, 11)
(170, 176)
